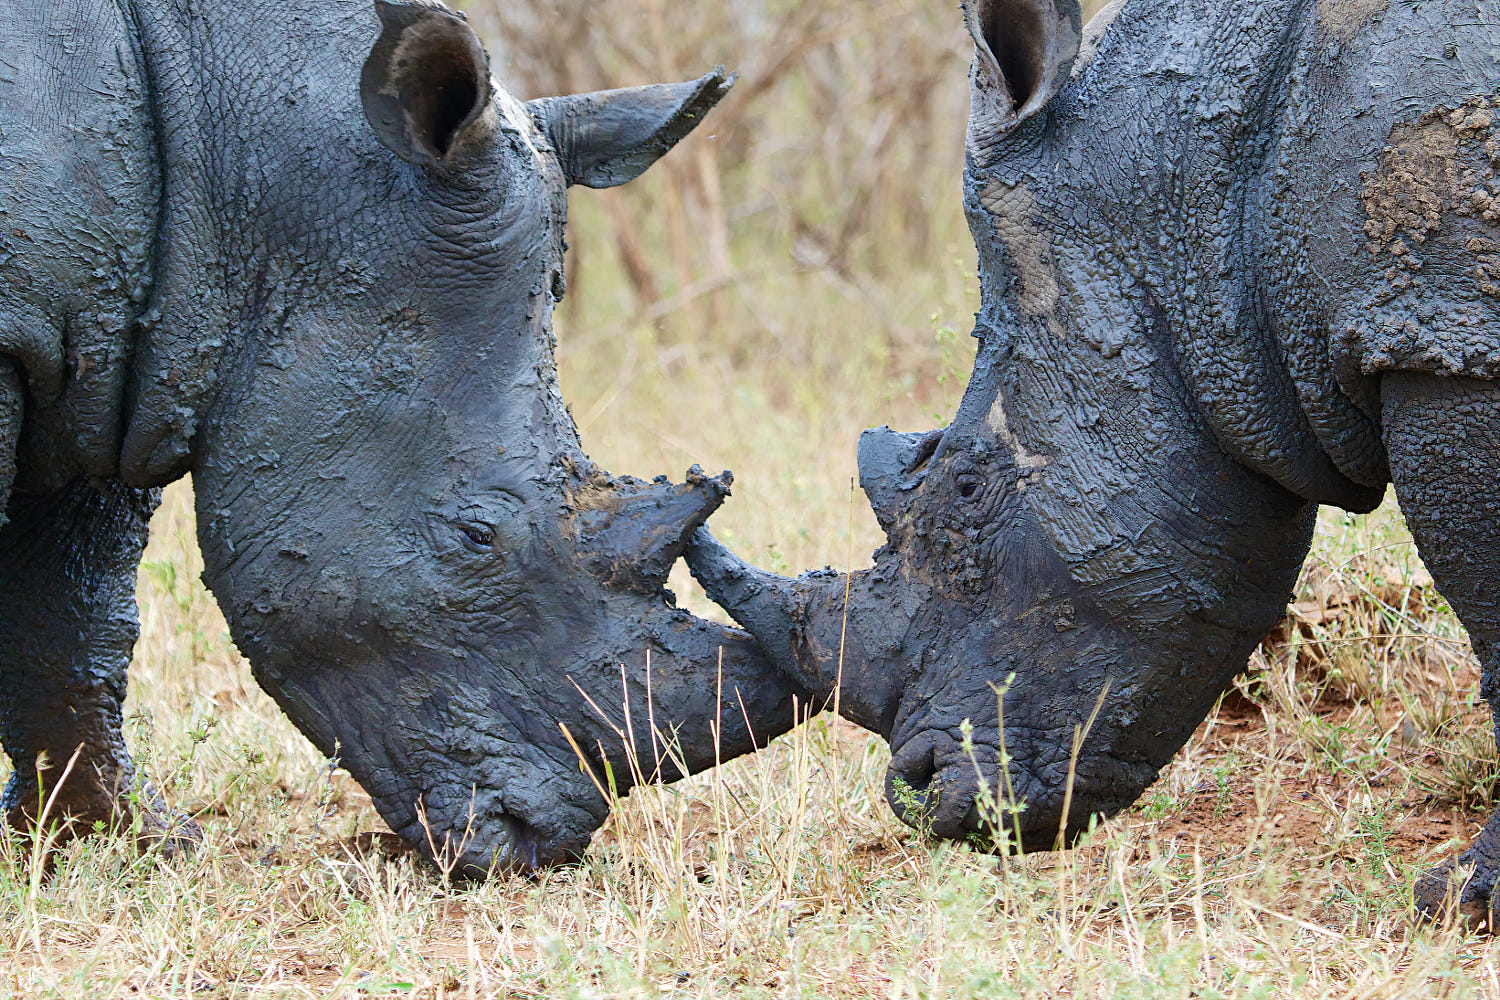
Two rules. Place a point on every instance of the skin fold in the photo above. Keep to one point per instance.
(310, 255)
(1235, 263)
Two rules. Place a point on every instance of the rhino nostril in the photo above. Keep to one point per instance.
(909, 780)
(936, 789)
(974, 819)
(915, 769)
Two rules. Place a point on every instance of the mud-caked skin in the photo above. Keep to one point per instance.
(73, 554)
(309, 254)
(1237, 260)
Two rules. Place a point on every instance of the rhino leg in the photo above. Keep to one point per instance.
(10, 429)
(1443, 436)
(67, 627)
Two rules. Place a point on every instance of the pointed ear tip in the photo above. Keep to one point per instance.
(717, 77)
(388, 9)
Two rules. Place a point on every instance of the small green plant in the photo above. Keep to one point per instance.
(1159, 804)
(1223, 789)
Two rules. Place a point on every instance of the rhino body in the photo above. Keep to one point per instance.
(309, 255)
(1237, 260)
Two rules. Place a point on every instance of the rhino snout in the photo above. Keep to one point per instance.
(954, 788)
(933, 787)
(472, 832)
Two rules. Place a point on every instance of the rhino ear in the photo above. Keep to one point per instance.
(609, 137)
(426, 82)
(1023, 53)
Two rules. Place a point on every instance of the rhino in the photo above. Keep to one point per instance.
(1237, 260)
(309, 255)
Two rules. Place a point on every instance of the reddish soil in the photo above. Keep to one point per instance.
(1301, 808)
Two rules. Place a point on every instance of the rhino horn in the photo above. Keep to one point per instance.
(889, 466)
(632, 532)
(809, 627)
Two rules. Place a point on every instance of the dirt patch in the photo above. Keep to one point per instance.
(1293, 798)
(1312, 814)
(1443, 163)
(1435, 197)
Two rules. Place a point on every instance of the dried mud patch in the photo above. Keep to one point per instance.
(1342, 19)
(1310, 814)
(1433, 218)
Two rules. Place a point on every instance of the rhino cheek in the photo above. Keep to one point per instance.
(445, 769)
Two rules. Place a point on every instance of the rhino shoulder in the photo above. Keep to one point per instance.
(78, 209)
(1400, 119)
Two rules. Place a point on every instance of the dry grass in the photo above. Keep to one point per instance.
(1273, 858)
(753, 306)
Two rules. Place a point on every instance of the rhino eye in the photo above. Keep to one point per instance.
(478, 537)
(970, 487)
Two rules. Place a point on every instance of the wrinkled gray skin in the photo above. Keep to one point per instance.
(310, 255)
(1236, 261)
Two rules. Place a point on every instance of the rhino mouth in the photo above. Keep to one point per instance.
(954, 788)
(477, 848)
(477, 839)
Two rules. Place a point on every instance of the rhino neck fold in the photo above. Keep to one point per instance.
(1197, 233)
(179, 338)
(277, 204)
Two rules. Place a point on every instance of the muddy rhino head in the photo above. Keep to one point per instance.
(413, 551)
(1074, 568)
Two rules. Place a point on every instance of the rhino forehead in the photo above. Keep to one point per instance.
(999, 425)
(514, 114)
(1093, 34)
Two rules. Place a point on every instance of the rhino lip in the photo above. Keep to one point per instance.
(954, 793)
(948, 804)
(520, 852)
(498, 842)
